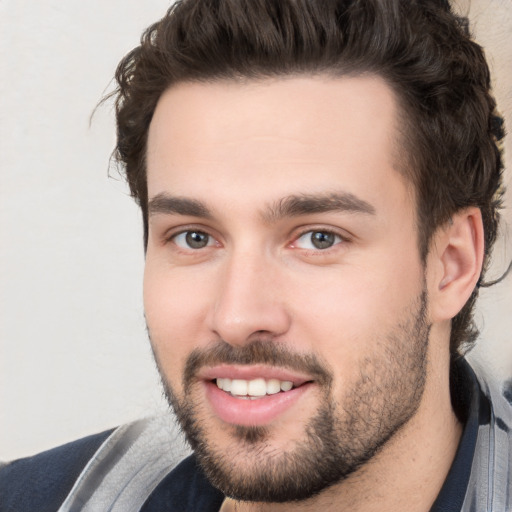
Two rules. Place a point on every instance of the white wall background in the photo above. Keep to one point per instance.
(74, 356)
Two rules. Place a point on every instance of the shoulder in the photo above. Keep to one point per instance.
(115, 470)
(492, 461)
(142, 465)
(42, 482)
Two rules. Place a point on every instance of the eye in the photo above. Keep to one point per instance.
(193, 240)
(317, 240)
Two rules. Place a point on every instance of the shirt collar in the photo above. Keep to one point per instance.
(472, 408)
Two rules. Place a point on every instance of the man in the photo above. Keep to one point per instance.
(320, 184)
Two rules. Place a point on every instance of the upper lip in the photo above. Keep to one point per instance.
(250, 372)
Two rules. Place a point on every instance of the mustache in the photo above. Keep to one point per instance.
(256, 352)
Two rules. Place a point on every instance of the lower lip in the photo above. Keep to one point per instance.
(247, 412)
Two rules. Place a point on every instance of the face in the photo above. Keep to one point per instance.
(284, 291)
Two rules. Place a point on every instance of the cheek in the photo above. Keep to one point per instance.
(174, 313)
(345, 314)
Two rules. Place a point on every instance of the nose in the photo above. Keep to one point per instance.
(250, 302)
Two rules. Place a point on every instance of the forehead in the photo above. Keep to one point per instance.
(276, 136)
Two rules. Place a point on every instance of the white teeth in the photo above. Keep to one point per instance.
(286, 385)
(273, 386)
(227, 385)
(239, 387)
(254, 388)
(257, 387)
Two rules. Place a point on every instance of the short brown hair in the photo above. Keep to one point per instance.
(449, 130)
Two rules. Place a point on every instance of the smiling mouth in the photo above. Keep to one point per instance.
(253, 396)
(255, 388)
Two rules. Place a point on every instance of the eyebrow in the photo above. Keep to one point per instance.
(164, 203)
(305, 204)
(290, 206)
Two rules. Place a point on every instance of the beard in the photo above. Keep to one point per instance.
(341, 437)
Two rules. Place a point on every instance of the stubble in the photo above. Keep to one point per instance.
(344, 434)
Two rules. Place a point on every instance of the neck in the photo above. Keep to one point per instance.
(409, 471)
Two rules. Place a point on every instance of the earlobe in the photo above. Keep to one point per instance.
(459, 250)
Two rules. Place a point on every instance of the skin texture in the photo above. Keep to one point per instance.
(223, 160)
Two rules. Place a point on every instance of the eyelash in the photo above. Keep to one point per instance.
(317, 251)
(327, 231)
(171, 238)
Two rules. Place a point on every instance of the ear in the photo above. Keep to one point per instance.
(455, 262)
